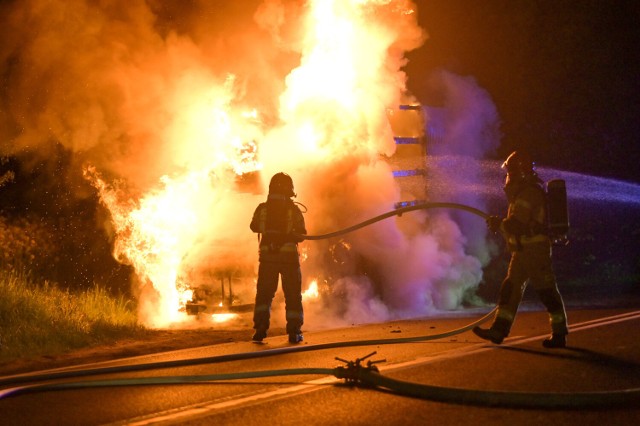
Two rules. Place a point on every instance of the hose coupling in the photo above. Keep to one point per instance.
(352, 370)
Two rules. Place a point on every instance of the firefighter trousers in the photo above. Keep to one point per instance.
(268, 275)
(531, 265)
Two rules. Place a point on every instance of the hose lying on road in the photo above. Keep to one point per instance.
(369, 377)
(166, 380)
(11, 381)
(512, 399)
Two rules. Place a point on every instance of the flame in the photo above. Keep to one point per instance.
(156, 232)
(312, 291)
(332, 98)
(333, 106)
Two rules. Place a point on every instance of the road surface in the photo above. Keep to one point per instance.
(603, 356)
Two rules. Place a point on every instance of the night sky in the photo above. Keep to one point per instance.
(564, 75)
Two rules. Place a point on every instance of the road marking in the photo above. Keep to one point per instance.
(202, 410)
(484, 346)
(606, 320)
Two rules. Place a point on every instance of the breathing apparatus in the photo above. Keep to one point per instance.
(520, 173)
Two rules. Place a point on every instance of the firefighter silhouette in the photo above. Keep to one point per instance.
(530, 247)
(280, 224)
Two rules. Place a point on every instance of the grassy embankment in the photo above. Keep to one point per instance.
(41, 319)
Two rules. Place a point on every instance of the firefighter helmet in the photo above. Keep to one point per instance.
(519, 165)
(281, 183)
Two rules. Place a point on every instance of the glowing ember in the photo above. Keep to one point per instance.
(220, 318)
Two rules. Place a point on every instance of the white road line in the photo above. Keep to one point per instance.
(484, 346)
(202, 410)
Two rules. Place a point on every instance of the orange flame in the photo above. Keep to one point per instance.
(311, 292)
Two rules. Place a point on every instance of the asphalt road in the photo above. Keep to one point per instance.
(603, 356)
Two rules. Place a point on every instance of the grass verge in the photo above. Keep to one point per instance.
(41, 319)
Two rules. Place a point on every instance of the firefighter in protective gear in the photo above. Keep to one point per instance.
(280, 224)
(525, 232)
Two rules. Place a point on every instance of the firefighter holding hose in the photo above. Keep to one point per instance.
(280, 224)
(530, 247)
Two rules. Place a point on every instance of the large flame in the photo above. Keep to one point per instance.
(158, 232)
(331, 114)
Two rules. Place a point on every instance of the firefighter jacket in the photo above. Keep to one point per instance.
(280, 224)
(526, 216)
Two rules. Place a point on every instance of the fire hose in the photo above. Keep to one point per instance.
(399, 212)
(234, 357)
(368, 376)
(353, 372)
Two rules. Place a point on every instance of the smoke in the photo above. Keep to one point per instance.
(166, 103)
(425, 261)
(465, 130)
(110, 81)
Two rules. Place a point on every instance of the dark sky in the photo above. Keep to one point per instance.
(564, 75)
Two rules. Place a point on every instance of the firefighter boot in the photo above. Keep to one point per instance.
(492, 334)
(555, 341)
(294, 325)
(497, 332)
(259, 335)
(295, 337)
